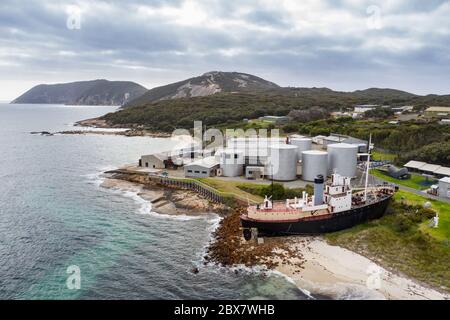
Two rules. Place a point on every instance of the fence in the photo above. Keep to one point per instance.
(201, 188)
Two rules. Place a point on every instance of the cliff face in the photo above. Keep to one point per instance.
(96, 92)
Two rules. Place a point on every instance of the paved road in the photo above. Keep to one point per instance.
(418, 192)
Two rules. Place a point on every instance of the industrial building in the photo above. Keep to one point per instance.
(231, 162)
(437, 112)
(361, 108)
(275, 119)
(281, 159)
(426, 168)
(202, 168)
(154, 161)
(444, 187)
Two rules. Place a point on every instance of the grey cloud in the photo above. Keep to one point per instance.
(115, 41)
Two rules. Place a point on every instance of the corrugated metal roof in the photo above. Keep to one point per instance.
(438, 109)
(415, 164)
(445, 171)
(430, 167)
(209, 162)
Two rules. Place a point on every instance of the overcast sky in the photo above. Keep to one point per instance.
(340, 44)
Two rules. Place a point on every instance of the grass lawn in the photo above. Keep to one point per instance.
(229, 187)
(396, 242)
(380, 156)
(443, 231)
(416, 181)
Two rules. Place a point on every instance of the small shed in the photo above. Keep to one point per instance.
(203, 168)
(254, 172)
(154, 161)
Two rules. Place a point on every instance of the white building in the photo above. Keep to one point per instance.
(202, 168)
(154, 161)
(253, 172)
(444, 187)
(361, 108)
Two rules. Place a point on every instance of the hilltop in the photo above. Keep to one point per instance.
(205, 85)
(96, 92)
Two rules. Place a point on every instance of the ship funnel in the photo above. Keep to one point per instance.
(318, 190)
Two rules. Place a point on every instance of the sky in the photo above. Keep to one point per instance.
(342, 44)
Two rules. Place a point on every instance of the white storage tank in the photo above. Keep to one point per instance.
(303, 144)
(342, 159)
(314, 163)
(283, 162)
(232, 163)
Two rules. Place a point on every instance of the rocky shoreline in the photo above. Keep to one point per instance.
(132, 130)
(164, 200)
(309, 262)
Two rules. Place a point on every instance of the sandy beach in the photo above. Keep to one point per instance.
(342, 274)
(311, 263)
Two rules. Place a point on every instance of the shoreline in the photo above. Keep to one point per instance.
(343, 274)
(98, 124)
(309, 262)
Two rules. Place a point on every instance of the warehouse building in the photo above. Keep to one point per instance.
(427, 168)
(437, 112)
(154, 161)
(414, 166)
(444, 187)
(202, 168)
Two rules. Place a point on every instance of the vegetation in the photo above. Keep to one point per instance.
(425, 141)
(383, 156)
(403, 240)
(230, 187)
(277, 191)
(379, 113)
(443, 232)
(416, 181)
(231, 107)
(436, 153)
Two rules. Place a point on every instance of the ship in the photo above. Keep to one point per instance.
(334, 206)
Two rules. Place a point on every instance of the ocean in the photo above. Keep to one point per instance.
(54, 215)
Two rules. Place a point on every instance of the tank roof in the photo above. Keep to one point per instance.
(283, 146)
(315, 152)
(343, 146)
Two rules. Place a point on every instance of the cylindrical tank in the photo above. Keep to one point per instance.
(342, 159)
(232, 163)
(303, 144)
(314, 163)
(283, 162)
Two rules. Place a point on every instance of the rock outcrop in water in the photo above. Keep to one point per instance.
(229, 248)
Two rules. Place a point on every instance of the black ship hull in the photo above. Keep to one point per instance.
(319, 225)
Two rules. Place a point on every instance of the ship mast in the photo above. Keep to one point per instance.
(367, 168)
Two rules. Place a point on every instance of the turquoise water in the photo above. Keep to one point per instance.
(54, 214)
